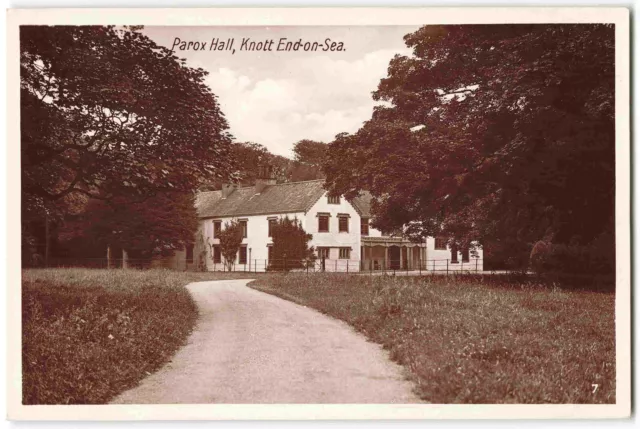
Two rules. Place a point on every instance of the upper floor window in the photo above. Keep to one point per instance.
(272, 222)
(333, 200)
(364, 226)
(441, 243)
(343, 223)
(345, 253)
(323, 223)
(243, 227)
(217, 227)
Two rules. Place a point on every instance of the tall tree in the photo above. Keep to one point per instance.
(310, 152)
(290, 245)
(230, 241)
(158, 225)
(106, 112)
(492, 132)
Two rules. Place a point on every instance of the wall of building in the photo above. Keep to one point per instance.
(257, 239)
(335, 239)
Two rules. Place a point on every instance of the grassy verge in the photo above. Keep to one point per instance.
(475, 340)
(88, 335)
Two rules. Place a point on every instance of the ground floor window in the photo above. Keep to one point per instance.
(441, 243)
(345, 253)
(323, 252)
(217, 256)
(242, 255)
(270, 252)
(465, 255)
(189, 250)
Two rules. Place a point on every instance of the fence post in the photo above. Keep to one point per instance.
(434, 265)
(447, 267)
(285, 264)
(335, 270)
(420, 266)
(347, 265)
(461, 267)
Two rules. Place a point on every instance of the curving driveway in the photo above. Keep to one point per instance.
(251, 347)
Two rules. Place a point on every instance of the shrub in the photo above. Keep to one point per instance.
(290, 246)
(550, 258)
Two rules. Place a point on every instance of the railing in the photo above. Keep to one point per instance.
(372, 267)
(439, 266)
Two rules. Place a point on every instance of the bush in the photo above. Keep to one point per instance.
(550, 258)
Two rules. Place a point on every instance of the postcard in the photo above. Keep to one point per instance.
(319, 213)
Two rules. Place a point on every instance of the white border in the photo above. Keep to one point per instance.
(323, 16)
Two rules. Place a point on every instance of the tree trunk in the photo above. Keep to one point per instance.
(108, 256)
(46, 239)
(125, 259)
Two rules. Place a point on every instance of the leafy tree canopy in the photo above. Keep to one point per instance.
(156, 226)
(490, 132)
(310, 152)
(105, 112)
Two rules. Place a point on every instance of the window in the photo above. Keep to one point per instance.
(217, 227)
(323, 223)
(343, 223)
(333, 200)
(323, 252)
(465, 255)
(270, 252)
(345, 253)
(189, 253)
(272, 222)
(441, 243)
(364, 226)
(217, 256)
(242, 255)
(243, 226)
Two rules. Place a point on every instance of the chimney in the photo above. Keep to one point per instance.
(264, 179)
(227, 189)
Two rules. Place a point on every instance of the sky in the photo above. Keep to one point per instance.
(277, 98)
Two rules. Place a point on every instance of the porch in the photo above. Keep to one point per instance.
(391, 253)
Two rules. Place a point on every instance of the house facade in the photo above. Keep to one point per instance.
(342, 236)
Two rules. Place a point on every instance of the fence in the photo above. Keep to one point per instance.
(443, 266)
(170, 263)
(371, 267)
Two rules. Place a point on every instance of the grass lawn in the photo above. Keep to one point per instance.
(475, 340)
(90, 334)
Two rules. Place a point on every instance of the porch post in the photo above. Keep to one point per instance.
(386, 255)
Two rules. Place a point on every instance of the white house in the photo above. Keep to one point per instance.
(341, 233)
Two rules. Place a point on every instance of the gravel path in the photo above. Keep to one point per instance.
(251, 347)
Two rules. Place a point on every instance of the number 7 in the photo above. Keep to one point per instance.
(595, 387)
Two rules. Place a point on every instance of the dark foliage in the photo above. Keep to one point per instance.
(290, 246)
(108, 114)
(230, 241)
(494, 133)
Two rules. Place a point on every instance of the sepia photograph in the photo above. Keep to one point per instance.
(402, 214)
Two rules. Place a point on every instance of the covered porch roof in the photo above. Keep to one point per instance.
(389, 241)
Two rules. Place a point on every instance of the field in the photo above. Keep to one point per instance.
(475, 339)
(90, 334)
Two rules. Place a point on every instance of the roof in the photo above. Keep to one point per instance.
(362, 203)
(281, 198)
